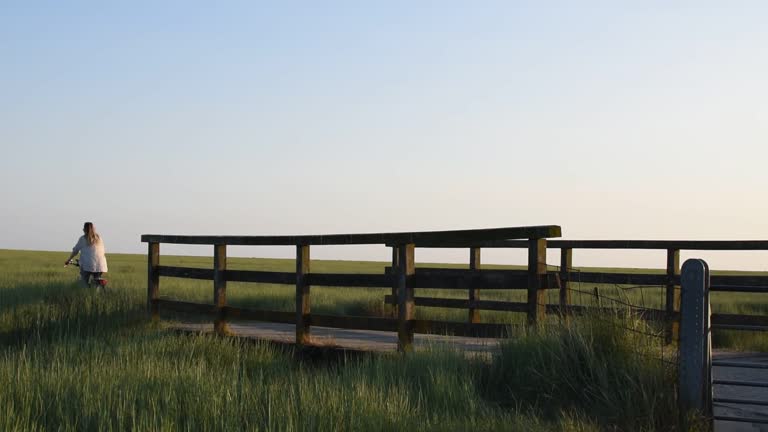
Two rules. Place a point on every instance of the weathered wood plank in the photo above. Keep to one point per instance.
(405, 305)
(350, 280)
(672, 294)
(153, 279)
(449, 303)
(284, 278)
(346, 322)
(480, 279)
(664, 244)
(537, 272)
(614, 244)
(455, 278)
(738, 280)
(739, 288)
(302, 295)
(474, 292)
(431, 277)
(566, 264)
(474, 235)
(185, 272)
(389, 271)
(738, 319)
(220, 287)
(355, 322)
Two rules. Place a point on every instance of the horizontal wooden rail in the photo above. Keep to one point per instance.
(464, 304)
(713, 245)
(448, 303)
(475, 235)
(456, 278)
(429, 277)
(285, 278)
(335, 321)
(739, 288)
(228, 311)
(465, 279)
(739, 319)
(185, 272)
(719, 281)
(354, 322)
(350, 280)
(479, 279)
(617, 278)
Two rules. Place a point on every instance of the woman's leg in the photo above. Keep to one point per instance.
(84, 277)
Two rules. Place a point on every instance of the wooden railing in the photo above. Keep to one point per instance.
(403, 279)
(751, 282)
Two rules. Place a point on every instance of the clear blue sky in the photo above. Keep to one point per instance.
(644, 120)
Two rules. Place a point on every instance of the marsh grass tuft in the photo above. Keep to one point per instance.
(595, 368)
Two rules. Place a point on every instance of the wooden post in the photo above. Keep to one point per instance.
(220, 287)
(303, 331)
(395, 254)
(405, 299)
(153, 280)
(695, 379)
(474, 293)
(673, 296)
(537, 274)
(566, 265)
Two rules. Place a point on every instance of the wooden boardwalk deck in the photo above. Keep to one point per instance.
(739, 392)
(354, 340)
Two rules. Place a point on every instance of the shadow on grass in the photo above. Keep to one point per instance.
(321, 356)
(30, 293)
(54, 311)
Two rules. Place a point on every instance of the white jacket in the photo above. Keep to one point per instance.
(92, 258)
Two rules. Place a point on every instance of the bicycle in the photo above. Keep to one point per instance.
(93, 281)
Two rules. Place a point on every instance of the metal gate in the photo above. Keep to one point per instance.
(729, 387)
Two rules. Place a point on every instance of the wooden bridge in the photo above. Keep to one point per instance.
(403, 277)
(380, 333)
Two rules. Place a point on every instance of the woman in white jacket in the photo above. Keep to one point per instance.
(90, 246)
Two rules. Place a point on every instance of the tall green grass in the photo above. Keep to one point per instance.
(608, 366)
(72, 359)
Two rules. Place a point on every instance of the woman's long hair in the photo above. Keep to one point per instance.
(91, 236)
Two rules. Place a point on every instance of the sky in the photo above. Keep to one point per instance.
(614, 120)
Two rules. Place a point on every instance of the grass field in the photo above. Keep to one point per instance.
(72, 359)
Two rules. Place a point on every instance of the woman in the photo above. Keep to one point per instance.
(91, 250)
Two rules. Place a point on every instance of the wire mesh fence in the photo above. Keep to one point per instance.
(637, 309)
